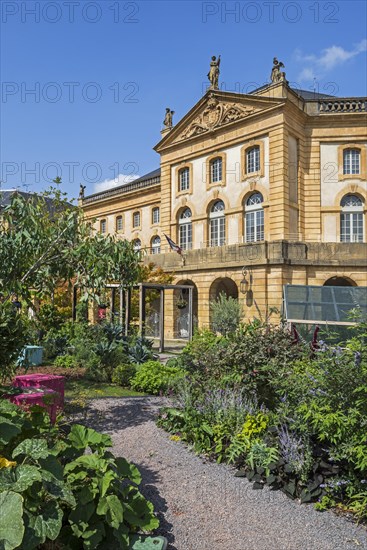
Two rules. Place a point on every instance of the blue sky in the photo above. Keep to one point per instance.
(102, 74)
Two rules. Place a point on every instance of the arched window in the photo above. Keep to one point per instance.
(156, 245)
(351, 161)
(118, 224)
(137, 244)
(185, 229)
(351, 219)
(184, 179)
(254, 218)
(253, 159)
(217, 225)
(216, 170)
(103, 226)
(155, 215)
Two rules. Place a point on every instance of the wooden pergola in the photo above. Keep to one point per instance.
(125, 306)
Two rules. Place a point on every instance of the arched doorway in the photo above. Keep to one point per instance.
(339, 281)
(223, 285)
(181, 309)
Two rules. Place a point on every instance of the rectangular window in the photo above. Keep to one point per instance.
(351, 161)
(217, 232)
(136, 219)
(184, 176)
(119, 223)
(254, 226)
(253, 160)
(351, 227)
(103, 226)
(155, 215)
(186, 236)
(216, 170)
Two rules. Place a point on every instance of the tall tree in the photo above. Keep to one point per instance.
(45, 241)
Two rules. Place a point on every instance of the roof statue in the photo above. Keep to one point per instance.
(276, 74)
(81, 191)
(213, 74)
(168, 118)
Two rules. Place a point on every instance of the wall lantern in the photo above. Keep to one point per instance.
(244, 284)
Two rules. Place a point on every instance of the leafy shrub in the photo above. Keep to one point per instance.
(140, 351)
(309, 441)
(205, 356)
(123, 374)
(154, 377)
(65, 361)
(12, 339)
(113, 332)
(95, 370)
(110, 355)
(55, 343)
(44, 495)
(226, 313)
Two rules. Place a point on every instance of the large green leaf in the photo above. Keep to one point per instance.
(20, 478)
(126, 469)
(52, 465)
(111, 507)
(8, 430)
(140, 512)
(86, 494)
(11, 522)
(58, 489)
(47, 524)
(93, 537)
(105, 482)
(88, 461)
(34, 448)
(82, 437)
(82, 513)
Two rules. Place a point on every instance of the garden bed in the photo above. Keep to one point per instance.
(201, 504)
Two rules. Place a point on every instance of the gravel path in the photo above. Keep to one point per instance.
(201, 505)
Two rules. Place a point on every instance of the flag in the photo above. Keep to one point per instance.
(173, 246)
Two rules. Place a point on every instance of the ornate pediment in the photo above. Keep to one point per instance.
(216, 113)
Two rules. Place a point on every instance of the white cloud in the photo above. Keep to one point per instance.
(121, 179)
(329, 58)
(306, 75)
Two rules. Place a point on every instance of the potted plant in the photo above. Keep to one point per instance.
(181, 303)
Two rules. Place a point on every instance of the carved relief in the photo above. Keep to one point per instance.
(216, 114)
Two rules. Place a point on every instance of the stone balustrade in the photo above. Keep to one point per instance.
(343, 105)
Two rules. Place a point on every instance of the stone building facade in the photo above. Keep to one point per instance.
(259, 190)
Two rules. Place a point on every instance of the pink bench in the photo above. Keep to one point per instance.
(51, 381)
(45, 398)
(51, 397)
